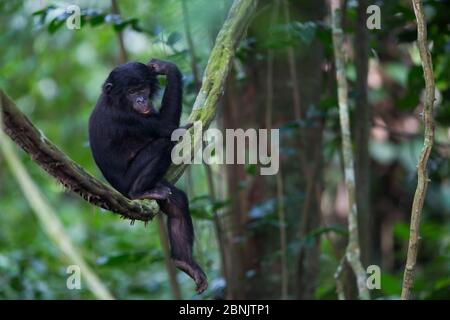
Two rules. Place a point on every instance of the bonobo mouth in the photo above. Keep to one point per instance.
(143, 109)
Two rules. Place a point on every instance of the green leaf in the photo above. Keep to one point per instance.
(306, 31)
(96, 20)
(173, 38)
(44, 11)
(57, 22)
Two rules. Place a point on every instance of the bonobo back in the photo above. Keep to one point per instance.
(106, 145)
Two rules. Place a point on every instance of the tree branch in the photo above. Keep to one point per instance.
(20, 129)
(216, 72)
(352, 252)
(422, 176)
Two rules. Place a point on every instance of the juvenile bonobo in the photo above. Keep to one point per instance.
(130, 142)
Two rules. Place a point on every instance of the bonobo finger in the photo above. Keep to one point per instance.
(159, 66)
(155, 66)
(152, 62)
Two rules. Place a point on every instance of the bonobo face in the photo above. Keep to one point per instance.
(132, 85)
(139, 97)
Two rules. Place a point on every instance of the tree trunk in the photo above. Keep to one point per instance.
(362, 130)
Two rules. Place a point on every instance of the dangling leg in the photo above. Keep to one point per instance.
(181, 235)
(147, 172)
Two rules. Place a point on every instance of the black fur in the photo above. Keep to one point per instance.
(133, 150)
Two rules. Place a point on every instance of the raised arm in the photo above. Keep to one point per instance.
(171, 103)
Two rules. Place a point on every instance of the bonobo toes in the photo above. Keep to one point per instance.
(159, 192)
(195, 272)
(201, 282)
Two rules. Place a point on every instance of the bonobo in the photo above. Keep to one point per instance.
(131, 144)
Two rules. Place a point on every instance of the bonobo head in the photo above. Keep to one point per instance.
(131, 86)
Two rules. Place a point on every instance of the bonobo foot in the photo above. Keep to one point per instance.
(159, 192)
(195, 273)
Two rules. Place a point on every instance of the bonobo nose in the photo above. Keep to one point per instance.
(140, 99)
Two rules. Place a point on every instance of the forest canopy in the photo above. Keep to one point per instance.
(358, 206)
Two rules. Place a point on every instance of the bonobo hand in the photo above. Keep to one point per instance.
(160, 66)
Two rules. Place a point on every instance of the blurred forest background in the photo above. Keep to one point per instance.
(258, 236)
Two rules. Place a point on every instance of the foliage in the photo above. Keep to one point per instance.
(54, 75)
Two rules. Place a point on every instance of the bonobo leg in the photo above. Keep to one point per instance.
(148, 169)
(181, 235)
(147, 185)
(158, 192)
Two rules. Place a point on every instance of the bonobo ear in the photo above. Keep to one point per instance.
(107, 87)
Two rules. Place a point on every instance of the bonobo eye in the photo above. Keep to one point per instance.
(134, 90)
